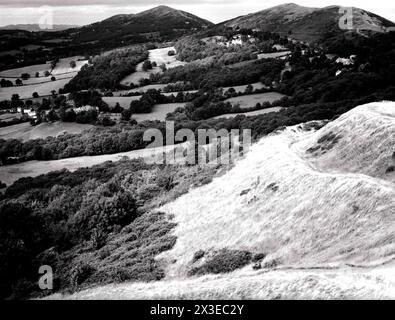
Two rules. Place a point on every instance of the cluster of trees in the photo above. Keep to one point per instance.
(107, 70)
(205, 77)
(47, 220)
(191, 48)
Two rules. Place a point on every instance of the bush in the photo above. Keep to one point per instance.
(80, 273)
(223, 261)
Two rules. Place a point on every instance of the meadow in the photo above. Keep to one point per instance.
(25, 131)
(250, 101)
(160, 56)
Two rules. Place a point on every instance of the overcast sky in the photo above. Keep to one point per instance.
(82, 12)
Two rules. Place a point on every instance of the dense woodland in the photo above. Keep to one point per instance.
(107, 70)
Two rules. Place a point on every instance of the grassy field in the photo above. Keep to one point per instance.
(241, 89)
(123, 101)
(26, 92)
(42, 85)
(30, 69)
(11, 173)
(250, 101)
(248, 114)
(25, 131)
(9, 116)
(159, 112)
(273, 55)
(159, 56)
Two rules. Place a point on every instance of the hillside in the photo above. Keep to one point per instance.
(308, 24)
(316, 206)
(161, 21)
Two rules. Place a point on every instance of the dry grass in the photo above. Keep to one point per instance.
(287, 284)
(277, 202)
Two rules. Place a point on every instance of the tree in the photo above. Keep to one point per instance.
(25, 76)
(18, 82)
(72, 64)
(35, 95)
(53, 78)
(117, 108)
(47, 73)
(126, 114)
(37, 74)
(147, 65)
(52, 116)
(171, 53)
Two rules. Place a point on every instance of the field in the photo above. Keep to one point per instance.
(11, 173)
(43, 89)
(248, 114)
(42, 85)
(159, 112)
(250, 101)
(273, 55)
(15, 73)
(159, 56)
(9, 116)
(123, 101)
(25, 131)
(241, 89)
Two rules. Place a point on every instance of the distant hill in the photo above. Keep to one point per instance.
(309, 24)
(158, 22)
(37, 28)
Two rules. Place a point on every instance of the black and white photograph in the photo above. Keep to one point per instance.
(211, 150)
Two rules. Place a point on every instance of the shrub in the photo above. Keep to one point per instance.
(223, 261)
(390, 169)
(80, 273)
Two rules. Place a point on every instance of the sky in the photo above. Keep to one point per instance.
(81, 12)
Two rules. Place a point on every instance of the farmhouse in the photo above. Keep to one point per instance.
(30, 112)
(85, 108)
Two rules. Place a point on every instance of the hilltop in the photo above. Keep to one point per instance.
(309, 24)
(161, 21)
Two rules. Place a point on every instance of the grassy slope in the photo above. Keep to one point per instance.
(278, 202)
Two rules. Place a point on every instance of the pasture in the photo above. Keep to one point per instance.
(250, 100)
(248, 114)
(160, 56)
(241, 89)
(159, 112)
(26, 92)
(10, 173)
(25, 131)
(42, 85)
(273, 55)
(124, 102)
